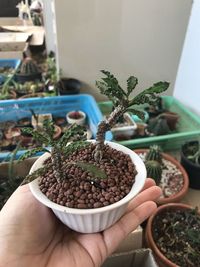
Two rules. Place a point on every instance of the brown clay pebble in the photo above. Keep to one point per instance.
(83, 191)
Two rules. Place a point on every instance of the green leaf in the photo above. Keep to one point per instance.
(149, 95)
(42, 138)
(73, 133)
(72, 147)
(91, 168)
(31, 177)
(32, 152)
(48, 127)
(111, 88)
(131, 84)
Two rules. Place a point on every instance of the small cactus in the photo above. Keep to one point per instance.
(28, 67)
(154, 153)
(154, 170)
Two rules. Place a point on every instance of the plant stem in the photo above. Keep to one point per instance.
(105, 126)
(57, 164)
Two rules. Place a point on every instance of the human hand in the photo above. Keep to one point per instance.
(30, 234)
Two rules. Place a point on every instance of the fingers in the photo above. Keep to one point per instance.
(148, 183)
(129, 222)
(152, 193)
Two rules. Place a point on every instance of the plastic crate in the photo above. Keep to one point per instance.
(11, 63)
(57, 106)
(188, 127)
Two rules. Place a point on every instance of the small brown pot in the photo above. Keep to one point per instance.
(159, 256)
(58, 132)
(12, 133)
(178, 196)
(171, 118)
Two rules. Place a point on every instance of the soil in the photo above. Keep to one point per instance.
(177, 235)
(75, 115)
(81, 190)
(172, 179)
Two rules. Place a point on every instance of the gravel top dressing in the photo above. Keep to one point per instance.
(80, 189)
(172, 178)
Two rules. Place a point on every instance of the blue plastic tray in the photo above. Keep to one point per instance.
(11, 63)
(58, 105)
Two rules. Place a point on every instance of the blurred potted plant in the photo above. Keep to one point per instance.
(190, 159)
(28, 71)
(167, 172)
(173, 234)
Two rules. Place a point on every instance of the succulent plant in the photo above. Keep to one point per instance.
(154, 153)
(158, 126)
(28, 67)
(154, 170)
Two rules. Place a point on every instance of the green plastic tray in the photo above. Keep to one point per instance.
(188, 127)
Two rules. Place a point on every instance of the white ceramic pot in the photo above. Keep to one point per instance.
(97, 219)
(80, 121)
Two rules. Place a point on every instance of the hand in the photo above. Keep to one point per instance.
(30, 234)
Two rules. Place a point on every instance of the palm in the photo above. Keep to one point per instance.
(31, 235)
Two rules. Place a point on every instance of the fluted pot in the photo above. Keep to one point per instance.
(96, 219)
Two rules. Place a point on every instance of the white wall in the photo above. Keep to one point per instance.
(138, 37)
(187, 87)
(50, 25)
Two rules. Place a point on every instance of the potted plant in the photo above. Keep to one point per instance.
(69, 86)
(76, 116)
(28, 71)
(190, 159)
(173, 234)
(125, 128)
(89, 184)
(167, 172)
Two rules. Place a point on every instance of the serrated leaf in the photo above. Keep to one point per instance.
(72, 147)
(91, 168)
(39, 137)
(31, 177)
(148, 95)
(74, 133)
(32, 152)
(131, 84)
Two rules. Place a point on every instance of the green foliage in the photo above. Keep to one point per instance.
(154, 170)
(45, 139)
(154, 153)
(31, 177)
(131, 84)
(110, 87)
(192, 151)
(28, 67)
(71, 141)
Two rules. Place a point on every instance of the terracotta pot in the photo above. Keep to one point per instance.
(159, 256)
(12, 133)
(178, 196)
(58, 132)
(171, 118)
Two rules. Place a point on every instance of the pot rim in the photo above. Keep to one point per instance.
(177, 196)
(148, 232)
(136, 188)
